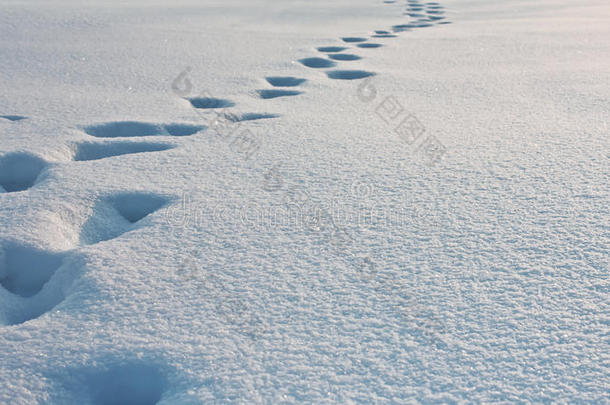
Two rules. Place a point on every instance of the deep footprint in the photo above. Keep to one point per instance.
(94, 151)
(25, 270)
(210, 102)
(132, 129)
(285, 81)
(344, 56)
(317, 63)
(13, 117)
(327, 49)
(182, 129)
(353, 39)
(401, 27)
(384, 36)
(348, 74)
(115, 215)
(369, 45)
(135, 206)
(269, 94)
(19, 171)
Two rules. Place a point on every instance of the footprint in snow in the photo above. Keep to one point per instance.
(26, 273)
(344, 56)
(353, 39)
(269, 94)
(13, 117)
(86, 151)
(317, 63)
(369, 45)
(285, 81)
(131, 129)
(348, 74)
(329, 49)
(119, 213)
(24, 270)
(19, 171)
(384, 36)
(210, 102)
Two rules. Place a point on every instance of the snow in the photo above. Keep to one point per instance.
(202, 202)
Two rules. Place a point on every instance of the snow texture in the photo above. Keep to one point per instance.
(278, 202)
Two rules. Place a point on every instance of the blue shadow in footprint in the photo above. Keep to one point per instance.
(344, 56)
(349, 74)
(317, 63)
(285, 81)
(268, 94)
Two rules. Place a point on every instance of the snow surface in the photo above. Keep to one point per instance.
(201, 203)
